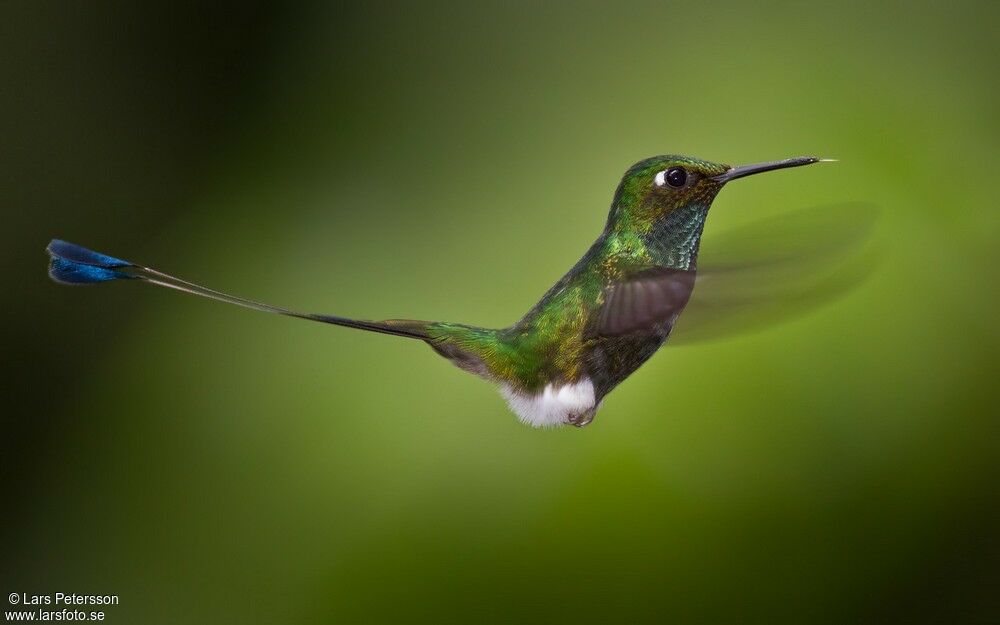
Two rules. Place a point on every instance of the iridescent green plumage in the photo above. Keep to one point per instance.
(647, 228)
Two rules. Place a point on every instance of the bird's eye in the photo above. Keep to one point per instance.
(675, 177)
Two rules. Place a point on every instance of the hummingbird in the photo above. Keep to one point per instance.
(591, 330)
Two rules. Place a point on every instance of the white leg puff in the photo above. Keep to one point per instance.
(557, 404)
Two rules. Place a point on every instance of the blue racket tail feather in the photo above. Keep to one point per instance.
(73, 264)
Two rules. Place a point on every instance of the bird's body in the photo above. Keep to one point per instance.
(590, 331)
(558, 362)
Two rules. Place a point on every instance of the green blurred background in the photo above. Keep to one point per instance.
(451, 161)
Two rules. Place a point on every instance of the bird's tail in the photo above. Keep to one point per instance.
(72, 264)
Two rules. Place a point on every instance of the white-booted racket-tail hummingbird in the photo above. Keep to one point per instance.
(589, 332)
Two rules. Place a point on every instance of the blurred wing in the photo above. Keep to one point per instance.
(644, 302)
(775, 269)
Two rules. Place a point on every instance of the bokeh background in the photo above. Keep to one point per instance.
(450, 161)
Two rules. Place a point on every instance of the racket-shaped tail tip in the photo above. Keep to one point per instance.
(72, 264)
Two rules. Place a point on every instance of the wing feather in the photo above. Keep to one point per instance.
(644, 302)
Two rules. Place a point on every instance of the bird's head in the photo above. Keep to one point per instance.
(654, 188)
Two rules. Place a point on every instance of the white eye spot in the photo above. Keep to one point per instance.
(661, 178)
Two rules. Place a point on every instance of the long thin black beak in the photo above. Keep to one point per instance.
(749, 170)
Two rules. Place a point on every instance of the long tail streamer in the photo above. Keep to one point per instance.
(73, 264)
